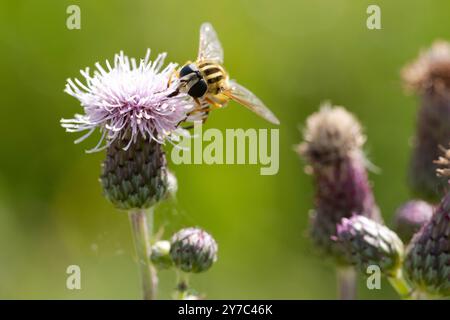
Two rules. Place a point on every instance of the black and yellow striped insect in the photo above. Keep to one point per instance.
(207, 82)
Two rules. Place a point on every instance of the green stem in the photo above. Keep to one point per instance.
(141, 237)
(400, 285)
(182, 289)
(346, 282)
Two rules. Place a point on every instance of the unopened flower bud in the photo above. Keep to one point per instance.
(410, 217)
(160, 256)
(366, 242)
(193, 250)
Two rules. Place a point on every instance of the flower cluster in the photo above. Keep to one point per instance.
(137, 107)
(346, 222)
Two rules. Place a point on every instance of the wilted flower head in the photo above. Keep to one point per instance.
(366, 242)
(431, 70)
(429, 77)
(331, 135)
(332, 148)
(410, 217)
(126, 100)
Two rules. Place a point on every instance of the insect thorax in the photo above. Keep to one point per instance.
(214, 75)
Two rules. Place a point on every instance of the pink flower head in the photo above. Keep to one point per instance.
(128, 99)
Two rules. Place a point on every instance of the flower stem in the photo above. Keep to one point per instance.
(400, 285)
(346, 282)
(141, 237)
(183, 290)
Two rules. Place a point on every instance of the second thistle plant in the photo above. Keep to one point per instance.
(332, 148)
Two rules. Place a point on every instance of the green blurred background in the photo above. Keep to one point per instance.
(294, 54)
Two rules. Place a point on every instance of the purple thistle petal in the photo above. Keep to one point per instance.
(128, 99)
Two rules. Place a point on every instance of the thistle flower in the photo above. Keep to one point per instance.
(127, 100)
(366, 242)
(332, 148)
(427, 262)
(193, 250)
(410, 217)
(429, 77)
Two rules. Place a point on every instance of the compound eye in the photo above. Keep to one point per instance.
(187, 69)
(198, 89)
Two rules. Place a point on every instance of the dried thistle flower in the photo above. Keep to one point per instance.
(430, 71)
(366, 242)
(429, 77)
(410, 217)
(193, 250)
(427, 262)
(332, 148)
(128, 100)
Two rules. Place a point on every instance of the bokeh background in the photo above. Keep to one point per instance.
(293, 53)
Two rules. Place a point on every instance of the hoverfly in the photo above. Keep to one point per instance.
(207, 82)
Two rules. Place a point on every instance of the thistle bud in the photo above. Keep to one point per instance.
(193, 250)
(427, 262)
(366, 242)
(410, 217)
(161, 255)
(134, 175)
(332, 148)
(429, 77)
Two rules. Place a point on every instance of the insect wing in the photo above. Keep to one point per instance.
(249, 100)
(209, 47)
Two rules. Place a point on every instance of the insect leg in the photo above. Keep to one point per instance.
(205, 116)
(171, 77)
(214, 104)
(198, 109)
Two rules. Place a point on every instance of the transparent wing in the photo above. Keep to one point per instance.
(249, 100)
(209, 47)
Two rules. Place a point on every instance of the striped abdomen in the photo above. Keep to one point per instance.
(214, 75)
